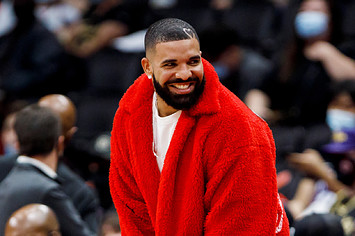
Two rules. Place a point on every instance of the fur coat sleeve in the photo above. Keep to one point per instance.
(219, 174)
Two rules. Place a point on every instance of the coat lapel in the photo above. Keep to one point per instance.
(144, 162)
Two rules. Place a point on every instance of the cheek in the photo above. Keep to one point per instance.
(163, 76)
(198, 72)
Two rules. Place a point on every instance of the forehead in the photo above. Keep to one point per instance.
(343, 99)
(315, 5)
(175, 50)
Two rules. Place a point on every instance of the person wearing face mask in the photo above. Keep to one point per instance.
(309, 24)
(294, 101)
(327, 184)
(341, 121)
(317, 56)
(341, 109)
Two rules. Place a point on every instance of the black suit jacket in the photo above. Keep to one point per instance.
(27, 184)
(6, 165)
(84, 198)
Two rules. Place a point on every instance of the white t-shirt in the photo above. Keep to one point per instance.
(163, 130)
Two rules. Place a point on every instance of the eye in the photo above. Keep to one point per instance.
(195, 61)
(169, 65)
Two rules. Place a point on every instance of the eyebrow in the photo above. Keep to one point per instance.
(195, 57)
(174, 60)
(168, 61)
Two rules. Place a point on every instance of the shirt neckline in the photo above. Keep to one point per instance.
(40, 165)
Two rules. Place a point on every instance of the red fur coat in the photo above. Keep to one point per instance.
(219, 174)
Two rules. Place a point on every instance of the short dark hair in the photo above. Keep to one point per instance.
(166, 30)
(345, 86)
(38, 129)
(319, 224)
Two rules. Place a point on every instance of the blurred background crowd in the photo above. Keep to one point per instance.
(291, 61)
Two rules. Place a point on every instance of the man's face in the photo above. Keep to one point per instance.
(177, 72)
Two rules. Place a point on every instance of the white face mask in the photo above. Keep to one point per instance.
(56, 16)
(310, 24)
(339, 119)
(8, 18)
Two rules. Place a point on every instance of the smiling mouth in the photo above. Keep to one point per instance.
(182, 88)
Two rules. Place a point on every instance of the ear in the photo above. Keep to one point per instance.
(17, 145)
(70, 133)
(147, 67)
(60, 145)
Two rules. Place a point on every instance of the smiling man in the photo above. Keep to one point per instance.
(187, 156)
(177, 71)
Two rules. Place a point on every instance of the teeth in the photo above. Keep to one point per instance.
(182, 86)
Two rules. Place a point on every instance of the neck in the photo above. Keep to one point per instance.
(163, 108)
(50, 160)
(324, 37)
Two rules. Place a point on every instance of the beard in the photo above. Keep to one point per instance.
(180, 101)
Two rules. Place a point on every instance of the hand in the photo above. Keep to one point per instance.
(283, 178)
(312, 163)
(259, 103)
(81, 5)
(319, 51)
(106, 6)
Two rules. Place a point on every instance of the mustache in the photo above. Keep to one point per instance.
(190, 79)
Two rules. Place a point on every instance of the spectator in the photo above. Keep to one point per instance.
(33, 178)
(83, 197)
(102, 23)
(32, 62)
(8, 136)
(341, 120)
(9, 140)
(33, 219)
(341, 109)
(321, 202)
(333, 164)
(316, 57)
(294, 101)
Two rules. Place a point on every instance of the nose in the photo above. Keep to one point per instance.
(183, 73)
